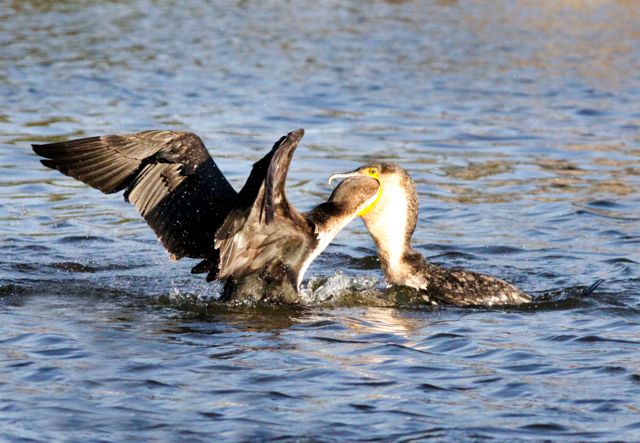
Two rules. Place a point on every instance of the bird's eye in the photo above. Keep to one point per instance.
(373, 171)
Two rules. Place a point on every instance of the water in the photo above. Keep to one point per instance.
(520, 124)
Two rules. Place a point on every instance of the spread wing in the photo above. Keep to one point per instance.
(264, 229)
(168, 176)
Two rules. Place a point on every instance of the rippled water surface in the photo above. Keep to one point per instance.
(520, 123)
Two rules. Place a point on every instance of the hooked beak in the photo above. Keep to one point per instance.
(342, 175)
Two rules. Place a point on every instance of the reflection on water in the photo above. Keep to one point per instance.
(519, 124)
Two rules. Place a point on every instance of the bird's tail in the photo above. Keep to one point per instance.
(593, 287)
(569, 293)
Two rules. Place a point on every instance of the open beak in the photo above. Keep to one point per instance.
(342, 175)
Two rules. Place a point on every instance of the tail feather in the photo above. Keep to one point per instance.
(593, 287)
(564, 294)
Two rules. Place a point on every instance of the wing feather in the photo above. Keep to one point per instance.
(249, 240)
(168, 176)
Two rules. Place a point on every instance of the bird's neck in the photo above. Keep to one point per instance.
(391, 224)
(326, 219)
(329, 218)
(393, 240)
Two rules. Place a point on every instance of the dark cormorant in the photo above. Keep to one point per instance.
(391, 222)
(254, 239)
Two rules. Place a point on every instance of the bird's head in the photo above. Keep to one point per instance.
(391, 216)
(396, 186)
(356, 194)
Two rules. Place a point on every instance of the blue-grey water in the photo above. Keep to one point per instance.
(518, 120)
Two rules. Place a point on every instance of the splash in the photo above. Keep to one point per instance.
(340, 290)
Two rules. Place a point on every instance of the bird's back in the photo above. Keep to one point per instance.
(460, 286)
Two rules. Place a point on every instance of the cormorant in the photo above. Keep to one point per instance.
(254, 239)
(391, 223)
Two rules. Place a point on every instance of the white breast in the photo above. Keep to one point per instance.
(388, 221)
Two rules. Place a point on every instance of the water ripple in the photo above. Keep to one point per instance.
(520, 130)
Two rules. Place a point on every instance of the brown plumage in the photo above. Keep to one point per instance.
(167, 175)
(391, 223)
(255, 239)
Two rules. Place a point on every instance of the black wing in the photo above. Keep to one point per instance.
(263, 229)
(168, 175)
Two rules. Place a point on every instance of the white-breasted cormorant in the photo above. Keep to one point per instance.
(391, 223)
(254, 239)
